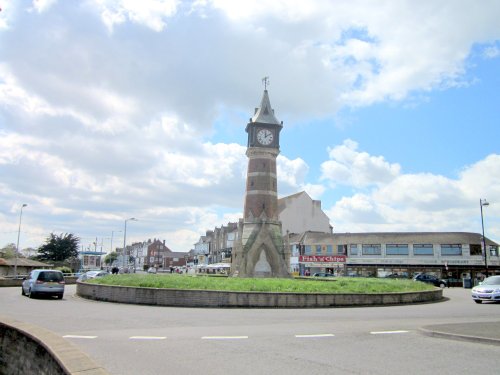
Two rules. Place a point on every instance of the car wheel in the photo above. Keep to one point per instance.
(59, 296)
(442, 285)
(478, 301)
(22, 291)
(31, 294)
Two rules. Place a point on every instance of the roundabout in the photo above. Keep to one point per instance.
(149, 293)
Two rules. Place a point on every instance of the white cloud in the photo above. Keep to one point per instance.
(425, 202)
(43, 5)
(491, 52)
(151, 13)
(347, 166)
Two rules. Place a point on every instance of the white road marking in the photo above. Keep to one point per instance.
(224, 337)
(387, 332)
(147, 338)
(79, 337)
(317, 335)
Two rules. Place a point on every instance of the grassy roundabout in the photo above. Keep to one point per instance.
(316, 285)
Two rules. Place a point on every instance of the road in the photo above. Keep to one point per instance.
(130, 339)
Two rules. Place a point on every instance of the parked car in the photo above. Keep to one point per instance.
(43, 282)
(488, 290)
(92, 275)
(430, 279)
(403, 275)
(323, 274)
(152, 270)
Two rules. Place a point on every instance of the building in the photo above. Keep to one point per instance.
(452, 255)
(216, 245)
(24, 266)
(91, 260)
(159, 256)
(299, 213)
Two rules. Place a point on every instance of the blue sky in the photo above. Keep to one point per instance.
(119, 109)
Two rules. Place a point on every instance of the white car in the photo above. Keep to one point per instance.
(488, 290)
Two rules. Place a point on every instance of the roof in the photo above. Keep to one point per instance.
(23, 262)
(265, 114)
(398, 237)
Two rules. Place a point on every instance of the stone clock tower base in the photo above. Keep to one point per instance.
(261, 252)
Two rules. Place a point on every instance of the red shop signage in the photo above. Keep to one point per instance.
(322, 258)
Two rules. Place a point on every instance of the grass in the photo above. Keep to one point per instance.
(330, 285)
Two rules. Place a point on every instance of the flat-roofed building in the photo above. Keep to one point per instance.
(451, 255)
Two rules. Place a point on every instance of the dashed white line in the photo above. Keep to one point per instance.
(147, 338)
(386, 332)
(79, 337)
(316, 335)
(224, 337)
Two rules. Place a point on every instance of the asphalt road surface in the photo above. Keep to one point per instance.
(141, 340)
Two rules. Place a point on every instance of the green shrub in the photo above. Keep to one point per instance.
(64, 269)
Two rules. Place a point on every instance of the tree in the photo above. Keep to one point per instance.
(110, 258)
(59, 248)
(8, 251)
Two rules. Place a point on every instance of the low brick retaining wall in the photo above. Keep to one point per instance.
(17, 282)
(207, 298)
(27, 349)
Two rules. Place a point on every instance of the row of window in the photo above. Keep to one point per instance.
(395, 249)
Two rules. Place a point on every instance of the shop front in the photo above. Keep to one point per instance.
(332, 264)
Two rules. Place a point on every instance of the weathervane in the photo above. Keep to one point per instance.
(265, 81)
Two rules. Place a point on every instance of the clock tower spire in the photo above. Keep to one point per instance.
(261, 252)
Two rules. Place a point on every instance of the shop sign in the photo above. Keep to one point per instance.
(323, 265)
(322, 258)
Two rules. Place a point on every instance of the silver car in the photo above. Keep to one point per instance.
(92, 275)
(43, 282)
(488, 290)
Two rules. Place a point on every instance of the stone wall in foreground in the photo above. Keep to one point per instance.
(27, 349)
(206, 298)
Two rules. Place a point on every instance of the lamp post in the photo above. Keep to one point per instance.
(18, 234)
(483, 202)
(125, 238)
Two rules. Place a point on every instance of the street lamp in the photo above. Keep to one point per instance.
(483, 202)
(18, 234)
(125, 238)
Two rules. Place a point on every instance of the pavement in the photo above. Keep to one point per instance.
(481, 332)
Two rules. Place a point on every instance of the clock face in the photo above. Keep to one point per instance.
(265, 137)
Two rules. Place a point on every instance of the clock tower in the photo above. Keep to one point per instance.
(260, 251)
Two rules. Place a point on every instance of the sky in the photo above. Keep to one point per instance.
(117, 109)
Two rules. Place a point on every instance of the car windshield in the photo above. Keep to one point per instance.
(494, 280)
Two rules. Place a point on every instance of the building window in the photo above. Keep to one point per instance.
(308, 250)
(318, 250)
(372, 250)
(423, 249)
(451, 249)
(475, 249)
(341, 249)
(329, 249)
(396, 249)
(493, 250)
(353, 249)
